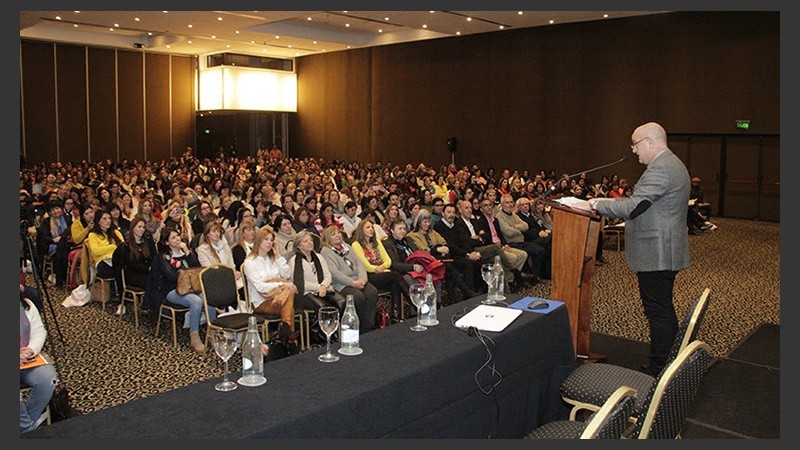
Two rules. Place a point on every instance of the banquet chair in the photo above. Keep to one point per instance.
(590, 384)
(668, 402)
(170, 312)
(133, 295)
(609, 422)
(218, 282)
(273, 318)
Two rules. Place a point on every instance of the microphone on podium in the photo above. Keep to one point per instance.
(569, 177)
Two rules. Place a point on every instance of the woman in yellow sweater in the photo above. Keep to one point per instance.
(372, 253)
(102, 241)
(82, 224)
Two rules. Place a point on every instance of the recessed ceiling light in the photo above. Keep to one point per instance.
(149, 33)
(164, 12)
(349, 46)
(76, 12)
(213, 36)
(552, 21)
(75, 25)
(605, 16)
(469, 19)
(347, 25)
(314, 42)
(228, 46)
(424, 25)
(237, 31)
(431, 12)
(116, 25)
(110, 29)
(137, 19)
(519, 12)
(252, 42)
(189, 42)
(219, 18)
(502, 27)
(58, 17)
(168, 46)
(386, 18)
(458, 33)
(290, 45)
(277, 37)
(191, 26)
(309, 18)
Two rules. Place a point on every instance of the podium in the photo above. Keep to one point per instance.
(575, 236)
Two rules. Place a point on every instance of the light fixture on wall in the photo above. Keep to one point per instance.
(246, 89)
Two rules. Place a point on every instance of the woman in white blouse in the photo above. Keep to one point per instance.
(268, 282)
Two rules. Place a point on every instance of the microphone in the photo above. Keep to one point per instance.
(569, 177)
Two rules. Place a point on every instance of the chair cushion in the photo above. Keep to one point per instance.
(594, 383)
(236, 321)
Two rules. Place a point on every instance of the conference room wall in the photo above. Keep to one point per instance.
(562, 96)
(80, 102)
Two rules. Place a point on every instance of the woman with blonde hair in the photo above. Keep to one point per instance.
(214, 249)
(349, 276)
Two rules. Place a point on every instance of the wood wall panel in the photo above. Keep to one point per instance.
(130, 92)
(39, 102)
(183, 102)
(73, 133)
(102, 104)
(158, 142)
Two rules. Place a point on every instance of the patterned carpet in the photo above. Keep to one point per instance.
(106, 361)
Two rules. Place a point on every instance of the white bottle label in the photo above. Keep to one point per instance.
(349, 336)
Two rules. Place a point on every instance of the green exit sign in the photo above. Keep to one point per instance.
(743, 124)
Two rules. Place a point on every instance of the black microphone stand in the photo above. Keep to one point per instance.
(37, 277)
(569, 177)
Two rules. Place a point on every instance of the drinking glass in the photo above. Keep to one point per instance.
(328, 317)
(490, 277)
(416, 293)
(224, 344)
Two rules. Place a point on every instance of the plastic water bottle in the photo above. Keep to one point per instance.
(348, 329)
(429, 308)
(252, 356)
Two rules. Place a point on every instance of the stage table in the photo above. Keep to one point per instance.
(405, 384)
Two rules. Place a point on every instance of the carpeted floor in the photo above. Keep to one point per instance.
(105, 361)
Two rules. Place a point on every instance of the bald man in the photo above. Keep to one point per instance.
(656, 235)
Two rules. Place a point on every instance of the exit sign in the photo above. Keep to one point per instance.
(743, 124)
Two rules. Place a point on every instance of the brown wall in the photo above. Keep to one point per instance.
(95, 103)
(564, 97)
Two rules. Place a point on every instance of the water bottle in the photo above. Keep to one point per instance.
(348, 329)
(501, 279)
(429, 308)
(252, 356)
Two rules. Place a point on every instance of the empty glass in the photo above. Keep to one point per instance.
(416, 293)
(489, 275)
(224, 344)
(328, 317)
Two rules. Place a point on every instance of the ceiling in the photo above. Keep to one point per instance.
(282, 34)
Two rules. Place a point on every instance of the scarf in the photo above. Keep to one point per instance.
(298, 277)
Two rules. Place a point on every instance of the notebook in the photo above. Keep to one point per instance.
(489, 318)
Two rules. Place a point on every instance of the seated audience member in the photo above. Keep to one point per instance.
(163, 279)
(513, 229)
(373, 255)
(177, 219)
(536, 233)
(326, 217)
(425, 238)
(41, 379)
(312, 278)
(349, 220)
(349, 276)
(103, 240)
(120, 222)
(79, 229)
(302, 220)
(49, 237)
(152, 223)
(399, 248)
(134, 256)
(462, 247)
(204, 215)
(215, 249)
(513, 259)
(269, 285)
(243, 247)
(284, 234)
(436, 210)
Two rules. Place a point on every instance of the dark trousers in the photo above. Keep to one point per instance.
(366, 302)
(536, 255)
(655, 289)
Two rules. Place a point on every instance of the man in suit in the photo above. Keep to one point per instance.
(656, 235)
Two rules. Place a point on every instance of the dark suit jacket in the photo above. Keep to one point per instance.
(486, 236)
(458, 238)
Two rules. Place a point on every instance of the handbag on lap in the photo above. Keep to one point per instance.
(189, 281)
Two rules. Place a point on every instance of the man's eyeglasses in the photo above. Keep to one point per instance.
(633, 146)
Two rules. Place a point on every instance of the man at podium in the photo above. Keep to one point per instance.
(656, 235)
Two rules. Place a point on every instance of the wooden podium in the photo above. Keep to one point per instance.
(575, 235)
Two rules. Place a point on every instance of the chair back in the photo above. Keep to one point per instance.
(690, 325)
(611, 421)
(247, 303)
(218, 283)
(669, 400)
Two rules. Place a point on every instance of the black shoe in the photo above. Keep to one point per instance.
(286, 334)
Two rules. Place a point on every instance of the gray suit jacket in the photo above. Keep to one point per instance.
(658, 238)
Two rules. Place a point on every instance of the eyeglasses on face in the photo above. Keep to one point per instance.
(633, 146)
